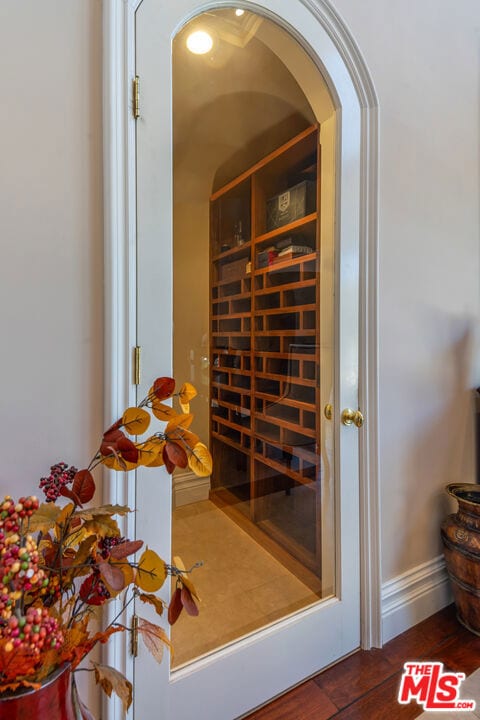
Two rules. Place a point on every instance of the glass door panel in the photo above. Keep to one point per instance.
(254, 175)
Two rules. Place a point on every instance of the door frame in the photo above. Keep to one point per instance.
(120, 283)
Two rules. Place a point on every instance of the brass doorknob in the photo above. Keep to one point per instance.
(328, 411)
(352, 417)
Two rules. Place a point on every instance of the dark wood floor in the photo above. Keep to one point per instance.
(365, 685)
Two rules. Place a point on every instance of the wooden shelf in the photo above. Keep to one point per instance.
(286, 264)
(288, 229)
(267, 431)
(239, 250)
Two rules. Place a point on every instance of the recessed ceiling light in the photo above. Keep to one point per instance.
(199, 42)
(239, 12)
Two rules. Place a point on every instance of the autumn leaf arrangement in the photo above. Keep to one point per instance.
(62, 559)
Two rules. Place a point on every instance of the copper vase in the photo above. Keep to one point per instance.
(461, 543)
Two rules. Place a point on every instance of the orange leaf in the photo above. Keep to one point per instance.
(176, 454)
(170, 466)
(110, 440)
(125, 548)
(84, 485)
(113, 681)
(135, 420)
(176, 424)
(175, 607)
(163, 387)
(188, 602)
(127, 449)
(152, 600)
(66, 492)
(162, 411)
(154, 638)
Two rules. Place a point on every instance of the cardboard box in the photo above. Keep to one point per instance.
(235, 270)
(293, 204)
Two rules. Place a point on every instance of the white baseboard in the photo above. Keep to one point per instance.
(188, 488)
(413, 596)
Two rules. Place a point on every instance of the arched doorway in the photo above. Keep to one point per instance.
(352, 222)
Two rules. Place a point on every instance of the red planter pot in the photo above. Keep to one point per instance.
(53, 701)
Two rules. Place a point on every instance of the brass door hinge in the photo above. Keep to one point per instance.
(137, 351)
(136, 97)
(134, 639)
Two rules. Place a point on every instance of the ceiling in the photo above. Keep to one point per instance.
(236, 101)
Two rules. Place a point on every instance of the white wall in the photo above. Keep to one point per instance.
(424, 61)
(51, 391)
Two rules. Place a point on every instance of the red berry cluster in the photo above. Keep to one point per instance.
(93, 590)
(107, 543)
(34, 631)
(12, 514)
(60, 475)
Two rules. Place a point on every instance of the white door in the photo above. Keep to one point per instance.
(228, 681)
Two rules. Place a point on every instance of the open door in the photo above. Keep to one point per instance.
(247, 258)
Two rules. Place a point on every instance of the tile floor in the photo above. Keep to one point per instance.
(242, 587)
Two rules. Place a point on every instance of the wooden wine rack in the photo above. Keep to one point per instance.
(264, 350)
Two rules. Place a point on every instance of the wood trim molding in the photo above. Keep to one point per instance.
(188, 488)
(119, 296)
(370, 553)
(413, 596)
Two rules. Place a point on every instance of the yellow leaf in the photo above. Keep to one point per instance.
(89, 513)
(118, 464)
(151, 572)
(84, 552)
(190, 438)
(44, 518)
(162, 411)
(187, 392)
(135, 420)
(185, 578)
(112, 680)
(63, 519)
(150, 452)
(200, 460)
(102, 525)
(175, 427)
(154, 638)
(76, 537)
